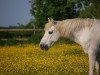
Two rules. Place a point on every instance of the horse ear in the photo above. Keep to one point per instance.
(54, 22)
(48, 20)
(51, 19)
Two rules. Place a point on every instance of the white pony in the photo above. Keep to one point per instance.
(85, 32)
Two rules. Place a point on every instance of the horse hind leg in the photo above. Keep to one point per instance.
(92, 60)
(97, 68)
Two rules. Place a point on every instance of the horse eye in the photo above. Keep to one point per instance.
(50, 32)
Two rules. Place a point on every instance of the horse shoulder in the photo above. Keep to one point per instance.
(83, 38)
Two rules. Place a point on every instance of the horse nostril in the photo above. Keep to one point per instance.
(42, 46)
(46, 47)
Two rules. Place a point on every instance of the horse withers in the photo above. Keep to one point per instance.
(85, 32)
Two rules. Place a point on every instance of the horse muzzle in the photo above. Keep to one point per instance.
(44, 47)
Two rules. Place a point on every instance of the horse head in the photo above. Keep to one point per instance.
(51, 35)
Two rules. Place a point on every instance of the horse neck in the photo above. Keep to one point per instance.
(72, 28)
(65, 28)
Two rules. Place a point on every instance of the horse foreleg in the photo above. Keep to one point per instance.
(92, 60)
(97, 67)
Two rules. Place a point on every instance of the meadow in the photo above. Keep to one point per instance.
(29, 59)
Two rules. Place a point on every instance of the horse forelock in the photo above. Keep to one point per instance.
(50, 24)
(47, 26)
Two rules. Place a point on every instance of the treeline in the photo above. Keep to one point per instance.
(13, 37)
(63, 9)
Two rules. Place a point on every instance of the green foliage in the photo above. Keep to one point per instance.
(35, 38)
(11, 37)
(63, 9)
(92, 11)
(56, 9)
(8, 42)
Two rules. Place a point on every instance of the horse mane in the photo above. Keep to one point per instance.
(67, 27)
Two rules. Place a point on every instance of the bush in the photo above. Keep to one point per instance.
(35, 38)
(92, 11)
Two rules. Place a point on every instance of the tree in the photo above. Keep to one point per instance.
(30, 24)
(56, 9)
(92, 11)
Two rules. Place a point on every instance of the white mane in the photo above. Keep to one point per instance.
(67, 27)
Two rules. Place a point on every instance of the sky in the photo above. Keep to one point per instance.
(14, 11)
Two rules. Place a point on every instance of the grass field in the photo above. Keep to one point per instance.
(29, 59)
